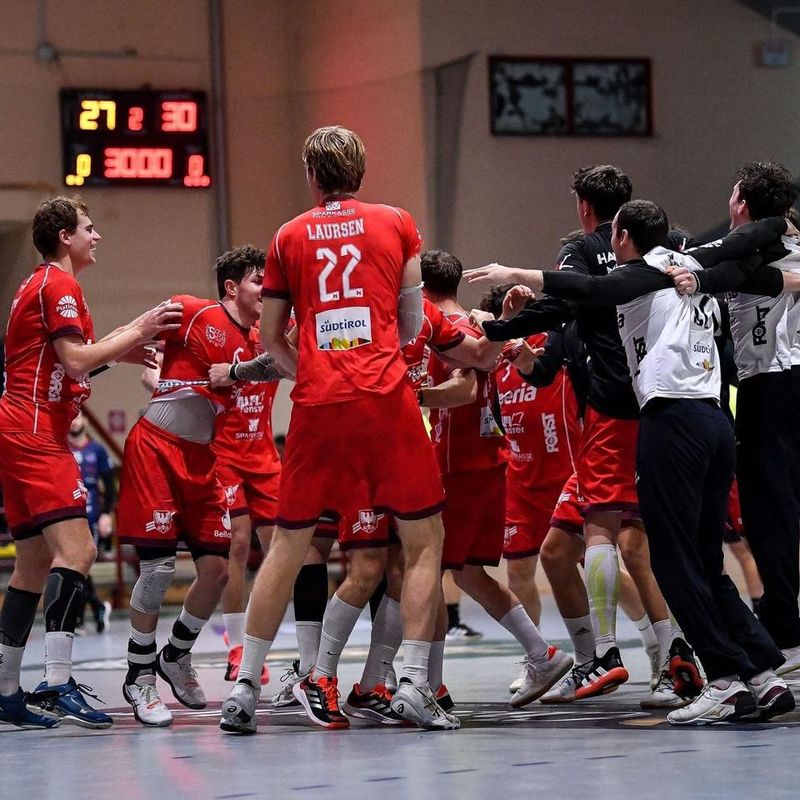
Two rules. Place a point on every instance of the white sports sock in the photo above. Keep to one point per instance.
(436, 665)
(664, 633)
(337, 625)
(387, 633)
(10, 666)
(416, 656)
(521, 627)
(57, 657)
(254, 654)
(602, 585)
(581, 634)
(308, 636)
(234, 627)
(647, 632)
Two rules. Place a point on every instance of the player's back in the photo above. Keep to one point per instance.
(341, 265)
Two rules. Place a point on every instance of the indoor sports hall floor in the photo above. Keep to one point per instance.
(603, 748)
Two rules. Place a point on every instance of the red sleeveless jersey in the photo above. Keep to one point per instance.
(39, 396)
(341, 264)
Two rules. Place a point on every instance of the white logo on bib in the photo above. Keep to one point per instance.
(344, 328)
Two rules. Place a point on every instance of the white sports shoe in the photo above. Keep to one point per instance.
(418, 705)
(239, 710)
(715, 704)
(563, 691)
(541, 676)
(515, 685)
(656, 666)
(773, 697)
(792, 655)
(285, 697)
(148, 707)
(182, 679)
(663, 696)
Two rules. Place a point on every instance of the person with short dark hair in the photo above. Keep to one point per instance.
(50, 353)
(169, 488)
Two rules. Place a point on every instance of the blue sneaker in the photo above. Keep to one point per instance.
(67, 702)
(13, 711)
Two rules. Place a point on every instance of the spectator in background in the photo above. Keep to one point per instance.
(98, 478)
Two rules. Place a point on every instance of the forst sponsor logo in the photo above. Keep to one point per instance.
(550, 429)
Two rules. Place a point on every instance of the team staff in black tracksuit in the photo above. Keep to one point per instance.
(767, 353)
(685, 462)
(605, 462)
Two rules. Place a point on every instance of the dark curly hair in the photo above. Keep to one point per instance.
(52, 216)
(604, 186)
(768, 189)
(492, 301)
(238, 263)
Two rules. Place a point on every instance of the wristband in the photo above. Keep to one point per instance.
(232, 373)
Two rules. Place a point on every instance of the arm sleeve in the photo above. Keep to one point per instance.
(743, 242)
(620, 286)
(541, 316)
(409, 313)
(733, 276)
(62, 305)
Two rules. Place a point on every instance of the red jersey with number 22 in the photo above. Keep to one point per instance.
(341, 265)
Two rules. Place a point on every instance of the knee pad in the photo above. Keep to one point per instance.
(155, 577)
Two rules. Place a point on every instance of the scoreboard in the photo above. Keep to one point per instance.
(134, 138)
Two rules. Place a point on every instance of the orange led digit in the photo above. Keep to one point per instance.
(178, 116)
(135, 117)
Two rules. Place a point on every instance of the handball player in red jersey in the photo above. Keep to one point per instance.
(50, 353)
(351, 272)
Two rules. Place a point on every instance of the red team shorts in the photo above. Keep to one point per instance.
(606, 463)
(474, 517)
(734, 527)
(528, 516)
(250, 493)
(170, 492)
(41, 483)
(371, 454)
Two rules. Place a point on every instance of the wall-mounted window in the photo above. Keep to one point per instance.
(570, 96)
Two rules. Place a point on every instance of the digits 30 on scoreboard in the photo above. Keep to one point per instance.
(135, 138)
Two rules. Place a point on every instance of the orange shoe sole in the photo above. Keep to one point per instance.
(688, 682)
(605, 684)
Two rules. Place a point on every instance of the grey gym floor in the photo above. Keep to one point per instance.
(603, 748)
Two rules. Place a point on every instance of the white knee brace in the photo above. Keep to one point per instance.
(155, 577)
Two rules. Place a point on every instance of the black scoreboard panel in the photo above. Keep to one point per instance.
(135, 138)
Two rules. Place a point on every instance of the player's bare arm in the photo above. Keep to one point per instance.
(460, 389)
(79, 358)
(522, 355)
(499, 274)
(274, 319)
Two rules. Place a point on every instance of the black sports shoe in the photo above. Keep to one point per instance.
(601, 675)
(684, 669)
(374, 705)
(320, 699)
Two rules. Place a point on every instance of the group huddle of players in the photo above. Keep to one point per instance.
(567, 428)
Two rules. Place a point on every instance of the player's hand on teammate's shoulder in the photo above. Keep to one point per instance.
(166, 316)
(685, 280)
(219, 376)
(477, 317)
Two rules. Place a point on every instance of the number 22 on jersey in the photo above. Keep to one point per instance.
(326, 278)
